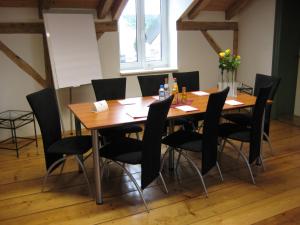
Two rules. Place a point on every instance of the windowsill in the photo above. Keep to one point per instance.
(148, 71)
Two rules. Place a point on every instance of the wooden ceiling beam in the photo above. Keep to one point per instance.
(197, 8)
(194, 25)
(43, 5)
(235, 8)
(188, 9)
(117, 8)
(104, 8)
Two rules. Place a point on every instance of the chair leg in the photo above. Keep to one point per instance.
(241, 149)
(245, 159)
(85, 174)
(269, 143)
(62, 167)
(178, 159)
(162, 163)
(198, 171)
(137, 136)
(135, 183)
(219, 170)
(163, 182)
(50, 170)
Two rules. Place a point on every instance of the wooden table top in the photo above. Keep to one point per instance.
(117, 113)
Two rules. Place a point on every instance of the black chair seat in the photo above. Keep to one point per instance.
(186, 140)
(120, 130)
(243, 119)
(126, 150)
(235, 132)
(71, 145)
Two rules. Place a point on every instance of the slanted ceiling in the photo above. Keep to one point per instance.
(230, 7)
(103, 7)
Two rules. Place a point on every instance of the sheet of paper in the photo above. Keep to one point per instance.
(156, 97)
(233, 102)
(200, 93)
(138, 112)
(186, 108)
(129, 101)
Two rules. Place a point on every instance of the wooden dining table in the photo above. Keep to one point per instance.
(117, 114)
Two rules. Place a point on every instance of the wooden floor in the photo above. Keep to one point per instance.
(275, 199)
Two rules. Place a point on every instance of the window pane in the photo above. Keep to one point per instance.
(152, 30)
(127, 29)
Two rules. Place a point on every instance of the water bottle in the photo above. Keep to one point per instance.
(161, 93)
(166, 88)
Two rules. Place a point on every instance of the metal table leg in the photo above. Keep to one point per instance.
(97, 168)
(171, 152)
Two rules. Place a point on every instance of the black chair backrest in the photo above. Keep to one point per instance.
(262, 80)
(109, 89)
(150, 84)
(188, 79)
(44, 106)
(154, 128)
(257, 119)
(212, 115)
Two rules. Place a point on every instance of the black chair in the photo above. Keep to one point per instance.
(146, 152)
(190, 80)
(112, 89)
(252, 134)
(244, 119)
(150, 84)
(56, 148)
(206, 143)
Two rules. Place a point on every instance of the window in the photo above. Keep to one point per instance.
(143, 35)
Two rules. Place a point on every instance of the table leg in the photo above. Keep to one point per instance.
(78, 133)
(97, 168)
(171, 153)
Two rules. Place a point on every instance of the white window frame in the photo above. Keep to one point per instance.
(140, 35)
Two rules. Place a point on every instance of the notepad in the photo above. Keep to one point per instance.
(200, 93)
(186, 108)
(129, 101)
(233, 102)
(138, 112)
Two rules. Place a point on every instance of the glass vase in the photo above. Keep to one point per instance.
(222, 81)
(232, 84)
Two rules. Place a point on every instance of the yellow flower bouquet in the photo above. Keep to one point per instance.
(229, 63)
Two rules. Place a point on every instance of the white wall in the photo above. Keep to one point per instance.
(194, 53)
(256, 31)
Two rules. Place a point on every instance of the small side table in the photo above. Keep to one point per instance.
(12, 120)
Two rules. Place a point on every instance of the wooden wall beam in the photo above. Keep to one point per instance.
(118, 8)
(235, 42)
(212, 42)
(104, 8)
(106, 26)
(21, 28)
(38, 28)
(235, 8)
(197, 8)
(194, 25)
(22, 64)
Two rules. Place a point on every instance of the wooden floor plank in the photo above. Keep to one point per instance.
(235, 201)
